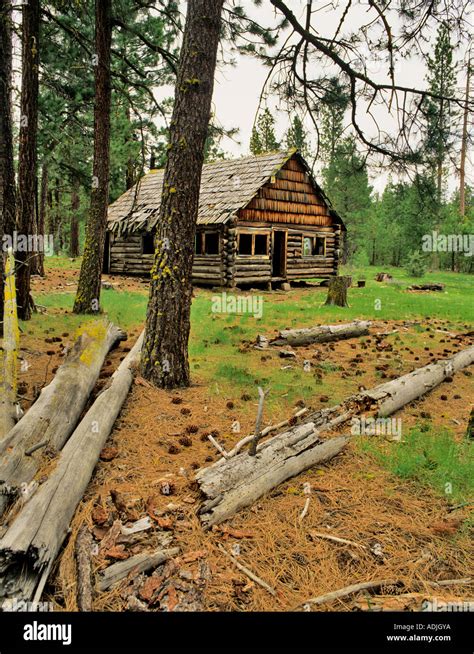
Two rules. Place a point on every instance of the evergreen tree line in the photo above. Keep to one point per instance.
(413, 222)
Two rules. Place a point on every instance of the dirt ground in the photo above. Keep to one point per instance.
(399, 533)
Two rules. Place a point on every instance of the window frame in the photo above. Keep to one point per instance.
(253, 234)
(201, 236)
(313, 238)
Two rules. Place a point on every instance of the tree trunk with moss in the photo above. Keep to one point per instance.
(27, 150)
(88, 290)
(165, 352)
(337, 291)
(7, 172)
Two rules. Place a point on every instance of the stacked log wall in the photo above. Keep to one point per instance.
(127, 258)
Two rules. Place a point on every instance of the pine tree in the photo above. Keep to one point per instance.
(27, 154)
(347, 185)
(7, 173)
(296, 136)
(332, 110)
(440, 111)
(88, 290)
(263, 137)
(165, 349)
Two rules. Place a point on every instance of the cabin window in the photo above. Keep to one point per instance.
(314, 246)
(261, 244)
(206, 243)
(320, 245)
(148, 243)
(245, 243)
(211, 243)
(256, 244)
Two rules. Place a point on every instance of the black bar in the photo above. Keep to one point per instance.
(291, 632)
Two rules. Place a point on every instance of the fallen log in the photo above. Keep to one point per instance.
(427, 286)
(30, 545)
(53, 417)
(393, 395)
(322, 333)
(242, 479)
(235, 482)
(136, 564)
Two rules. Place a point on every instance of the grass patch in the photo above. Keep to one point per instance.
(62, 263)
(124, 308)
(430, 457)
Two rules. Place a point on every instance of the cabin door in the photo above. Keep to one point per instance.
(279, 254)
(106, 261)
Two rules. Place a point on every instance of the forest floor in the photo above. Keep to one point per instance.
(399, 501)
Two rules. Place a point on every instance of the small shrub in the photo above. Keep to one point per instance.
(416, 265)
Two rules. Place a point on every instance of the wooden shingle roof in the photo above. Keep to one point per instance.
(226, 187)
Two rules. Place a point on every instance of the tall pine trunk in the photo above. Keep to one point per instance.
(7, 171)
(43, 203)
(88, 291)
(74, 242)
(27, 149)
(165, 350)
(462, 168)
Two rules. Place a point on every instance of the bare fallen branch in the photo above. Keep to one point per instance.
(248, 572)
(258, 423)
(336, 539)
(349, 590)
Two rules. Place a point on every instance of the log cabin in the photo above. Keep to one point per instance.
(262, 220)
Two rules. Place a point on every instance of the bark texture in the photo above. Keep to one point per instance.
(7, 171)
(337, 291)
(165, 351)
(88, 290)
(464, 143)
(27, 150)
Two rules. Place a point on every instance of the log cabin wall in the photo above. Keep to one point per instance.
(126, 256)
(133, 255)
(209, 266)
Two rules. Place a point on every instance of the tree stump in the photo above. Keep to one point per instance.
(383, 277)
(337, 291)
